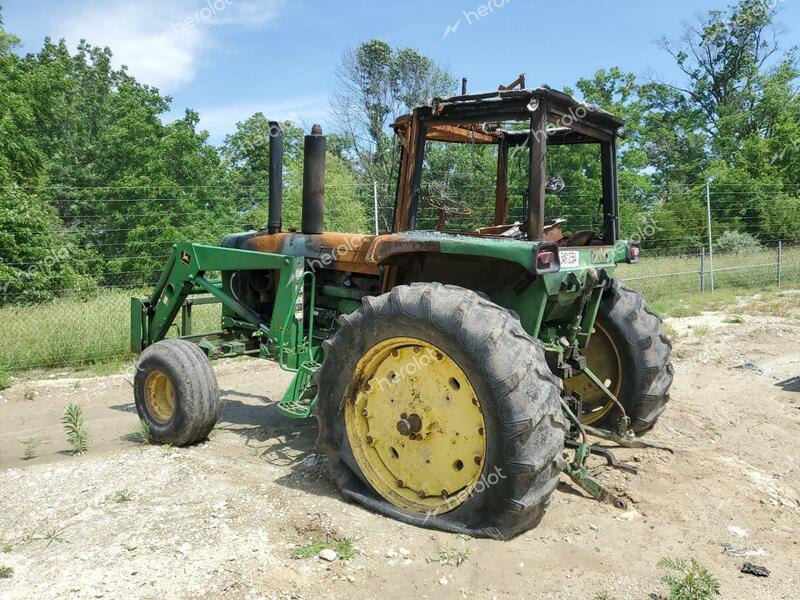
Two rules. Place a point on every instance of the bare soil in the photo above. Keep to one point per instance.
(222, 519)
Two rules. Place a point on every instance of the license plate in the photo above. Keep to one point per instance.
(569, 258)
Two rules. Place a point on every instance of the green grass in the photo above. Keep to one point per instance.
(688, 580)
(6, 548)
(5, 380)
(121, 496)
(6, 572)
(72, 331)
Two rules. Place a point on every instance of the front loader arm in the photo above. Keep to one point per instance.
(185, 274)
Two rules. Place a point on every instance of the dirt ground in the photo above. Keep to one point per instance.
(222, 519)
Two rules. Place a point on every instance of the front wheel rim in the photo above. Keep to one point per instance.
(415, 425)
(159, 397)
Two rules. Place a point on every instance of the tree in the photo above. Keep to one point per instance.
(723, 56)
(374, 85)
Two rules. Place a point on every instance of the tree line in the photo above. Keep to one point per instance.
(95, 186)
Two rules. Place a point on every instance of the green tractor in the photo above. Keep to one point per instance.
(448, 371)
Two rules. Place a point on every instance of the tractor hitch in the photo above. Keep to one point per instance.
(581, 475)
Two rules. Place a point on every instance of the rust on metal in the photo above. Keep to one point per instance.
(538, 173)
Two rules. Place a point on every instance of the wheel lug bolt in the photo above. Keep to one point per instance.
(421, 493)
(477, 460)
(399, 483)
(480, 430)
(364, 413)
(370, 440)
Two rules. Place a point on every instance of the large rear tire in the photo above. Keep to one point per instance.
(437, 408)
(630, 349)
(176, 392)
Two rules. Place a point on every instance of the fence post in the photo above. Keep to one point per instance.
(702, 268)
(375, 201)
(780, 261)
(710, 243)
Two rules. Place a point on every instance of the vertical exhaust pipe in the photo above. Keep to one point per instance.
(275, 177)
(313, 181)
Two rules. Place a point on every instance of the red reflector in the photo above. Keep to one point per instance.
(635, 251)
(545, 259)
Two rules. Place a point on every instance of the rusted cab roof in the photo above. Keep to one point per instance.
(459, 119)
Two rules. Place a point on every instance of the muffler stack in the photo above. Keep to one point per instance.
(313, 181)
(275, 177)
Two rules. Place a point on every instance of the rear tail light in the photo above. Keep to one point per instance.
(634, 253)
(546, 259)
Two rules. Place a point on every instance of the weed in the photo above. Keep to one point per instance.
(29, 394)
(29, 448)
(604, 596)
(5, 380)
(671, 332)
(6, 572)
(735, 320)
(123, 495)
(6, 548)
(688, 580)
(77, 436)
(344, 548)
(311, 549)
(143, 432)
(51, 537)
(453, 556)
(701, 331)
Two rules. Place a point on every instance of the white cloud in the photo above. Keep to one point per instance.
(221, 120)
(161, 42)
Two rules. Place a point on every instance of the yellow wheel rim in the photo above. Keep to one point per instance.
(603, 359)
(415, 426)
(159, 396)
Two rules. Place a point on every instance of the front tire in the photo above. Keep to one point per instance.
(476, 443)
(176, 392)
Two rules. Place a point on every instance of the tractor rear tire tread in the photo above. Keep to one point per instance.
(519, 393)
(645, 353)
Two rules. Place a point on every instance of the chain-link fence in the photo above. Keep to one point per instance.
(668, 272)
(65, 288)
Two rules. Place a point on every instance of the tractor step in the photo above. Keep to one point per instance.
(300, 397)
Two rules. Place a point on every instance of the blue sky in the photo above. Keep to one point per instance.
(230, 58)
